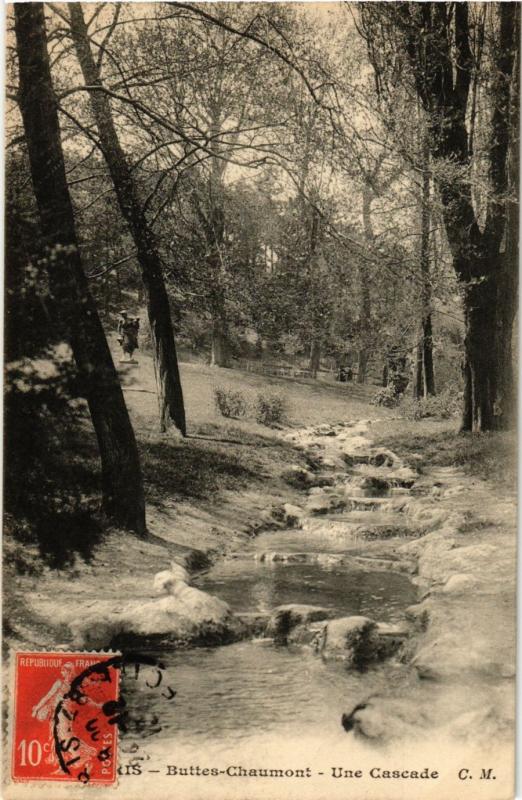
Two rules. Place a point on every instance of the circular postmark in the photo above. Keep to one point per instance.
(90, 714)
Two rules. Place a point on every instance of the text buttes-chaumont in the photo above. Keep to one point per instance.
(239, 771)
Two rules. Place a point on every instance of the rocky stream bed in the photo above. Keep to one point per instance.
(381, 606)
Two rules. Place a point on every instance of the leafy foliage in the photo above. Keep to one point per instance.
(445, 405)
(270, 409)
(230, 403)
(55, 506)
(386, 397)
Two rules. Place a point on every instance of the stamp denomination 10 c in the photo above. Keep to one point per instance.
(65, 710)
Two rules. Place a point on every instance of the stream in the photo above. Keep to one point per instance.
(231, 692)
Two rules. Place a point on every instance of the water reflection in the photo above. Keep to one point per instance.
(250, 585)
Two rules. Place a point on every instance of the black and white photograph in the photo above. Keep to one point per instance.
(260, 400)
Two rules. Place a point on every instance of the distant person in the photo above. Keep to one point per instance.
(128, 328)
(348, 374)
(341, 375)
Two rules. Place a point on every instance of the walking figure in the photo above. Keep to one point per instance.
(128, 328)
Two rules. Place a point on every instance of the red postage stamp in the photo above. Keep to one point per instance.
(66, 706)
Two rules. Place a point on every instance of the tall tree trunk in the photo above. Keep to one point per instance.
(219, 349)
(315, 357)
(418, 382)
(425, 386)
(364, 287)
(480, 344)
(170, 395)
(362, 365)
(219, 354)
(122, 483)
(427, 356)
(212, 219)
(439, 50)
(508, 275)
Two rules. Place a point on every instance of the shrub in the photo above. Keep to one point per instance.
(270, 409)
(386, 396)
(230, 403)
(55, 505)
(445, 405)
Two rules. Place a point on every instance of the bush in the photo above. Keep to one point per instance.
(230, 403)
(270, 409)
(445, 405)
(52, 485)
(387, 396)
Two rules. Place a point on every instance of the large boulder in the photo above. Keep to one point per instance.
(384, 719)
(352, 639)
(185, 615)
(359, 641)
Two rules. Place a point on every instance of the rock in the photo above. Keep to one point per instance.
(352, 459)
(439, 564)
(417, 547)
(184, 602)
(298, 478)
(289, 558)
(328, 559)
(349, 720)
(374, 486)
(458, 584)
(384, 719)
(351, 639)
(406, 476)
(293, 516)
(186, 615)
(255, 622)
(304, 479)
(359, 641)
(284, 516)
(374, 563)
(305, 635)
(198, 559)
(325, 430)
(390, 630)
(454, 491)
(420, 616)
(331, 463)
(164, 581)
(325, 504)
(287, 617)
(381, 532)
(364, 503)
(429, 517)
(383, 459)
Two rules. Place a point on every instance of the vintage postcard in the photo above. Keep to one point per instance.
(261, 292)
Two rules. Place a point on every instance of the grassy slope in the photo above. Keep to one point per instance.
(490, 456)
